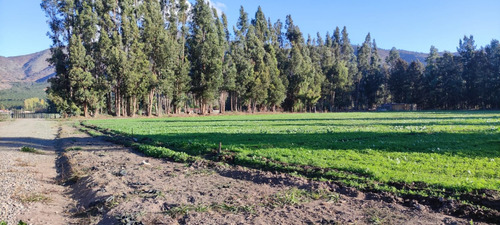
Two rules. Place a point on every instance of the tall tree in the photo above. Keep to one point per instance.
(492, 81)
(374, 79)
(259, 80)
(348, 56)
(364, 59)
(60, 89)
(415, 78)
(467, 52)
(277, 90)
(431, 79)
(397, 81)
(451, 84)
(260, 25)
(181, 65)
(80, 77)
(304, 89)
(205, 54)
(392, 58)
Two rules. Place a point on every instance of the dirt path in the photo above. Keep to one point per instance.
(28, 180)
(109, 184)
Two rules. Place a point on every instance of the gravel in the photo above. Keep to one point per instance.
(19, 175)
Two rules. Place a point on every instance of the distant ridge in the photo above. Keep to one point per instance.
(408, 56)
(25, 69)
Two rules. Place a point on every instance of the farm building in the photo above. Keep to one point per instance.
(397, 107)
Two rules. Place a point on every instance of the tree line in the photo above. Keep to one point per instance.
(124, 57)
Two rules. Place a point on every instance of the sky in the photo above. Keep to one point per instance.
(407, 25)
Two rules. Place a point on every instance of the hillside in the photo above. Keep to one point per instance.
(25, 69)
(408, 56)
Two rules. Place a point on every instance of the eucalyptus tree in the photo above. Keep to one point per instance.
(182, 64)
(205, 54)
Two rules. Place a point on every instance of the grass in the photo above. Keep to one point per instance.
(181, 210)
(33, 197)
(386, 151)
(30, 150)
(19, 223)
(296, 196)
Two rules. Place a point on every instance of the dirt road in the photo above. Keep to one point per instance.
(29, 188)
(109, 184)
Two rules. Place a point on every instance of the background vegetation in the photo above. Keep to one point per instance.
(125, 57)
(16, 96)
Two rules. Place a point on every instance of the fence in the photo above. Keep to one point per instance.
(25, 115)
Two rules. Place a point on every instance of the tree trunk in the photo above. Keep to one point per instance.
(85, 109)
(168, 103)
(124, 106)
(97, 111)
(108, 103)
(117, 102)
(232, 99)
(332, 101)
(134, 109)
(202, 108)
(159, 106)
(150, 103)
(222, 102)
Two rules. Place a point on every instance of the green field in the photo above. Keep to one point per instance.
(458, 151)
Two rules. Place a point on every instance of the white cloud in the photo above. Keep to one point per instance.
(219, 6)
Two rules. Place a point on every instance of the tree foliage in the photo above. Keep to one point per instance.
(125, 57)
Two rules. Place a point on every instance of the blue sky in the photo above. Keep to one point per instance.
(409, 25)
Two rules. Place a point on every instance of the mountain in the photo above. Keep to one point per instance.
(407, 56)
(25, 69)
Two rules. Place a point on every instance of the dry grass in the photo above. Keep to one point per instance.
(32, 198)
(22, 163)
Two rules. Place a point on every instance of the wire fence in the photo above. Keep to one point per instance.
(29, 115)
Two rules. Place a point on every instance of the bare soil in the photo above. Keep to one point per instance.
(29, 187)
(91, 181)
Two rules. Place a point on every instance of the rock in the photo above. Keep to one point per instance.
(122, 173)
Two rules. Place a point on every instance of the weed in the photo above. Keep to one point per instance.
(374, 217)
(295, 196)
(178, 211)
(181, 210)
(19, 223)
(73, 149)
(201, 172)
(33, 197)
(30, 150)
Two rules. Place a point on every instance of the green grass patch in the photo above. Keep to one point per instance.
(30, 150)
(457, 151)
